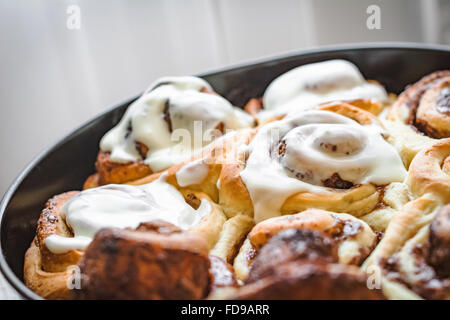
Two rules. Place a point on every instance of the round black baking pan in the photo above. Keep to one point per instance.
(66, 165)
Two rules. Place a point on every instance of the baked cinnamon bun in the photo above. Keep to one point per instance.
(421, 114)
(302, 264)
(301, 196)
(414, 252)
(70, 221)
(307, 86)
(332, 158)
(353, 238)
(170, 122)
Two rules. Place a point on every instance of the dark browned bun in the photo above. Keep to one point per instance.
(289, 245)
(311, 280)
(143, 264)
(301, 264)
(425, 105)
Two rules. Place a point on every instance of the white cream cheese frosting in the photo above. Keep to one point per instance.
(307, 86)
(174, 119)
(315, 144)
(192, 173)
(123, 206)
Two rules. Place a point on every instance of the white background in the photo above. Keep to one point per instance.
(53, 78)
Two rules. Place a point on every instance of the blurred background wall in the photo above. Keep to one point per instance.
(53, 78)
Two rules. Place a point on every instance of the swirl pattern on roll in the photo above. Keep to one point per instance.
(414, 252)
(425, 105)
(429, 172)
(316, 151)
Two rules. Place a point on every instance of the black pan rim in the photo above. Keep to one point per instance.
(27, 293)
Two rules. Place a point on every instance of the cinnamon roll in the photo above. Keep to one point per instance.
(413, 254)
(302, 195)
(421, 114)
(354, 239)
(155, 261)
(302, 264)
(143, 264)
(307, 86)
(70, 221)
(171, 121)
(333, 158)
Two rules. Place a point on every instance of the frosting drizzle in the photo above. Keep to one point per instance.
(123, 206)
(302, 151)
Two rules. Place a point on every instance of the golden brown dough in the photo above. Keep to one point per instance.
(430, 171)
(371, 106)
(113, 172)
(413, 253)
(357, 200)
(48, 273)
(232, 236)
(50, 223)
(420, 115)
(48, 285)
